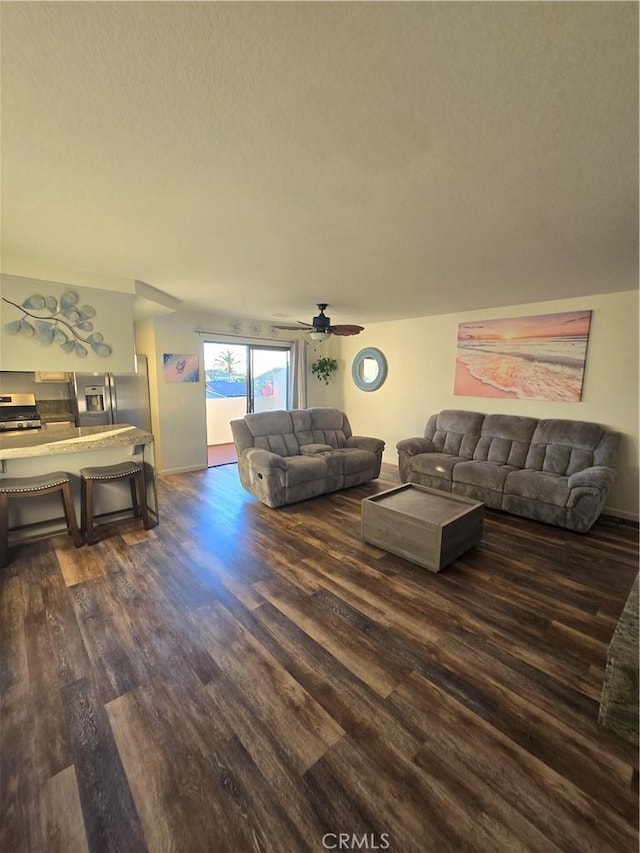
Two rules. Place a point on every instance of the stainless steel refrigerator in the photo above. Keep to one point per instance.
(100, 399)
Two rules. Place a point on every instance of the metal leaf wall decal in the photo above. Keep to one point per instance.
(60, 322)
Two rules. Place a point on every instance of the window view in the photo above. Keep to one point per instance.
(240, 379)
(269, 379)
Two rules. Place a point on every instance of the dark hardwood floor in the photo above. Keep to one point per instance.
(248, 679)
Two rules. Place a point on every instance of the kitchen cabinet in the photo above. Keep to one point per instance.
(51, 376)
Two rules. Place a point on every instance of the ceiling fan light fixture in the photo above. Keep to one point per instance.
(319, 335)
(321, 328)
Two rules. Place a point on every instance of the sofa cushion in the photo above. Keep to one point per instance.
(538, 486)
(334, 438)
(565, 447)
(273, 431)
(541, 511)
(436, 464)
(488, 475)
(307, 490)
(314, 449)
(321, 426)
(301, 469)
(328, 419)
(269, 423)
(283, 445)
(353, 460)
(455, 432)
(505, 439)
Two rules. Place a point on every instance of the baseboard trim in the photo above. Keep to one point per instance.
(185, 470)
(612, 512)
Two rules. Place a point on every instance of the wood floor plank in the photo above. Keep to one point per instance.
(416, 806)
(353, 585)
(578, 613)
(269, 754)
(349, 647)
(46, 718)
(570, 818)
(63, 829)
(111, 644)
(14, 669)
(175, 786)
(20, 824)
(248, 679)
(111, 820)
(577, 757)
(68, 648)
(165, 644)
(472, 652)
(255, 803)
(284, 706)
(357, 708)
(78, 565)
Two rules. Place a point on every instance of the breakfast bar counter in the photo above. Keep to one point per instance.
(63, 438)
(61, 447)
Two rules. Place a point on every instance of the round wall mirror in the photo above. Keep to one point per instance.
(369, 369)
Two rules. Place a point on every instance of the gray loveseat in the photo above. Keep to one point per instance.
(284, 457)
(555, 471)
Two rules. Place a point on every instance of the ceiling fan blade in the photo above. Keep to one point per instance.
(346, 330)
(292, 328)
(321, 325)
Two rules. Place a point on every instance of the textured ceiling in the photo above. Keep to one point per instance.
(392, 159)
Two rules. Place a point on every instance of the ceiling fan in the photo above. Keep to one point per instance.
(321, 328)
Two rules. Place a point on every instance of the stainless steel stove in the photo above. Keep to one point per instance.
(18, 411)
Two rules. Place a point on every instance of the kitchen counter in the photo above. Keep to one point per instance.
(63, 438)
(61, 447)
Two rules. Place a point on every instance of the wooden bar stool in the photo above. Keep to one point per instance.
(33, 487)
(108, 473)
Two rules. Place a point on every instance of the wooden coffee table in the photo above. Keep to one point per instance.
(428, 527)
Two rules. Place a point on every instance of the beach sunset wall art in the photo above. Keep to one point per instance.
(528, 358)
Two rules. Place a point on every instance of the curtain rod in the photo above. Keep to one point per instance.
(245, 337)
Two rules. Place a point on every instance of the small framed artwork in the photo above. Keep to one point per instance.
(180, 367)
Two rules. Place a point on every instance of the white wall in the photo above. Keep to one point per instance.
(319, 393)
(113, 320)
(145, 334)
(178, 410)
(421, 362)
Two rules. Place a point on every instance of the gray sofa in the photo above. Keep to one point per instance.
(284, 457)
(555, 471)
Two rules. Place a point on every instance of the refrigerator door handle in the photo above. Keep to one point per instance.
(112, 406)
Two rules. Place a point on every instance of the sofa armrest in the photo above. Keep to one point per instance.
(314, 449)
(597, 477)
(259, 458)
(413, 446)
(365, 442)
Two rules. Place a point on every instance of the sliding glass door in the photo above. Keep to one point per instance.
(241, 378)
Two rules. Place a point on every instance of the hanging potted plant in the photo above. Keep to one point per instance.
(324, 368)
